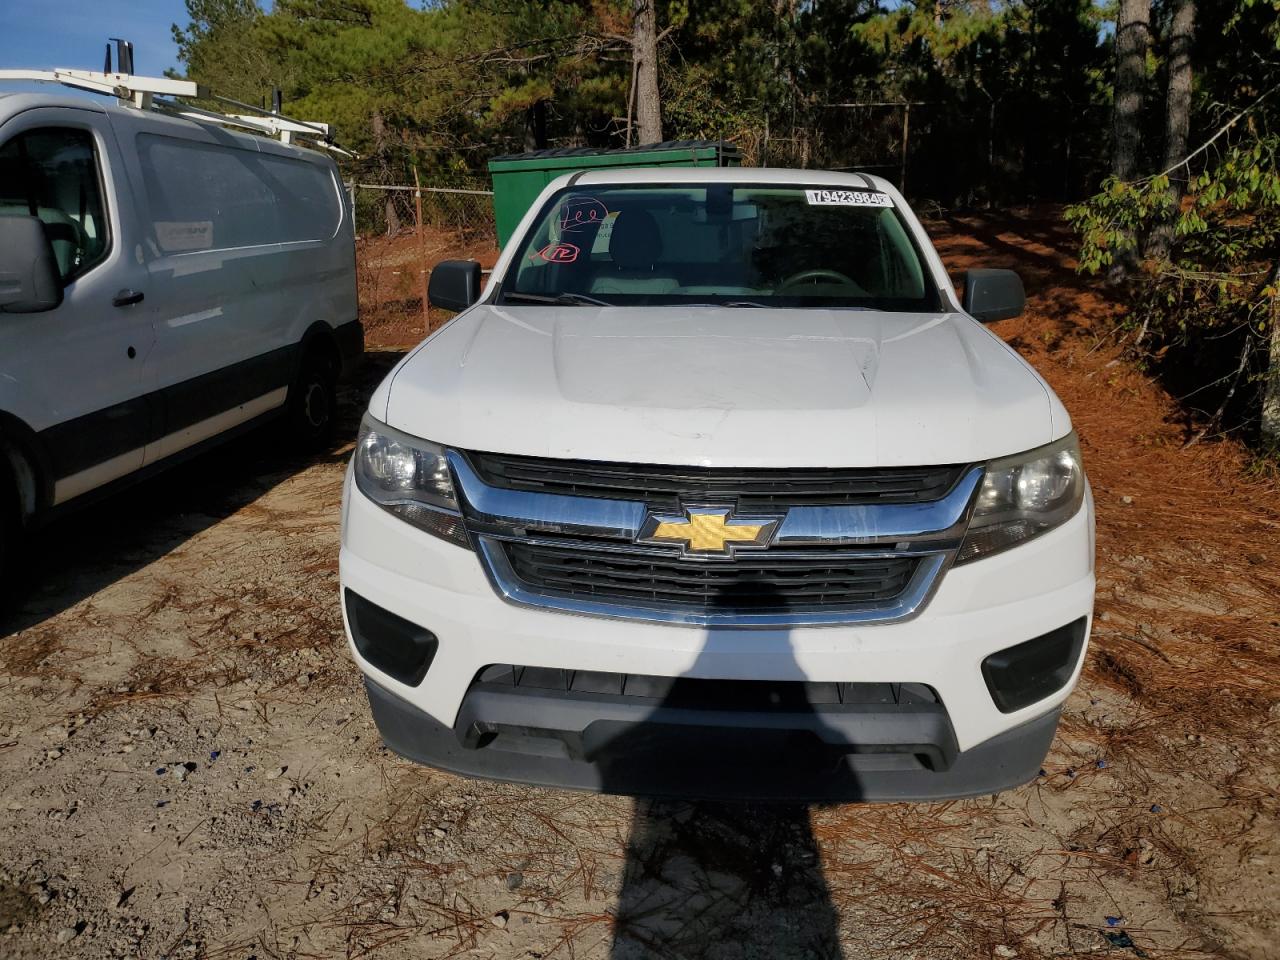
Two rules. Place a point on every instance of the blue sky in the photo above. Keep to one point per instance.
(72, 33)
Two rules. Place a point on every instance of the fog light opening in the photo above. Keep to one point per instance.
(1021, 675)
(400, 649)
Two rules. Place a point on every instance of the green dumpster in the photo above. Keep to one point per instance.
(519, 178)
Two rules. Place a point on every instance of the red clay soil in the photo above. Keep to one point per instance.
(392, 274)
(1187, 622)
(1193, 525)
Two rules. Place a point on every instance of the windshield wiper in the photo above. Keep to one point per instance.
(560, 298)
(720, 303)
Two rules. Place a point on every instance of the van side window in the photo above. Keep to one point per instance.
(52, 173)
(208, 197)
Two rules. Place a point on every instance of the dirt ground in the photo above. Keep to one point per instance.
(188, 767)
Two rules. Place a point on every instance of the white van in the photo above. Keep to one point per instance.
(164, 284)
(717, 488)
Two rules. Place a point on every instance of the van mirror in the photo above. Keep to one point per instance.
(29, 279)
(991, 295)
(454, 285)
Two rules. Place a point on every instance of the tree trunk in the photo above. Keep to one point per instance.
(535, 126)
(1177, 122)
(644, 53)
(1271, 388)
(384, 171)
(1133, 37)
(1178, 104)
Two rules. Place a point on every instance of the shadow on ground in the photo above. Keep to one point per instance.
(723, 880)
(85, 550)
(711, 879)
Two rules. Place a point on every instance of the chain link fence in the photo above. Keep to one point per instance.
(464, 207)
(974, 154)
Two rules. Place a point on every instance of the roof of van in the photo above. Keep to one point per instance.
(16, 101)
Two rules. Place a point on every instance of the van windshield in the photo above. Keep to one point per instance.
(721, 243)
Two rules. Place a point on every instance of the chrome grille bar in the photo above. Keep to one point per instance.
(519, 513)
(501, 512)
(903, 606)
(940, 520)
(825, 537)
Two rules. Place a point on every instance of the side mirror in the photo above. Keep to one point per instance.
(454, 285)
(991, 295)
(29, 279)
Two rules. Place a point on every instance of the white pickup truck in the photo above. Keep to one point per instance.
(717, 488)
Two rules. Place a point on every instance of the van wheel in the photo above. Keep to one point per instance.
(313, 402)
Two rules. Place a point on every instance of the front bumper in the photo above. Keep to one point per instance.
(978, 609)
(655, 755)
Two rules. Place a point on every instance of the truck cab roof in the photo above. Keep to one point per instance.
(745, 175)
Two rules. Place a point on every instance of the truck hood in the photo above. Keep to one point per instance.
(716, 386)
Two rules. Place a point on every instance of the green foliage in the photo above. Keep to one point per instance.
(443, 84)
(1012, 97)
(357, 59)
(1219, 271)
(1221, 266)
(439, 86)
(1206, 290)
(222, 46)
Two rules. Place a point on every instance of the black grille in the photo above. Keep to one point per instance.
(697, 693)
(755, 583)
(668, 486)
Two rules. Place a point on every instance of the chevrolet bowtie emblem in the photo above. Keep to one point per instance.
(708, 530)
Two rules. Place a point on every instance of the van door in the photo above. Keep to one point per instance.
(74, 374)
(223, 353)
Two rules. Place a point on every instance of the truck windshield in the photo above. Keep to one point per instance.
(721, 243)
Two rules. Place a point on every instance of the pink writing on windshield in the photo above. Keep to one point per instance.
(582, 212)
(559, 253)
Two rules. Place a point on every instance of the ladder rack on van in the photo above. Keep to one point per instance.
(141, 93)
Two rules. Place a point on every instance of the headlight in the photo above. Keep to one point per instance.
(408, 477)
(1023, 496)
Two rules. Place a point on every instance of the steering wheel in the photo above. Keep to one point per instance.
(819, 273)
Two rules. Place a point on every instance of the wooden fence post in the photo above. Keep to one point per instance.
(422, 250)
(906, 140)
